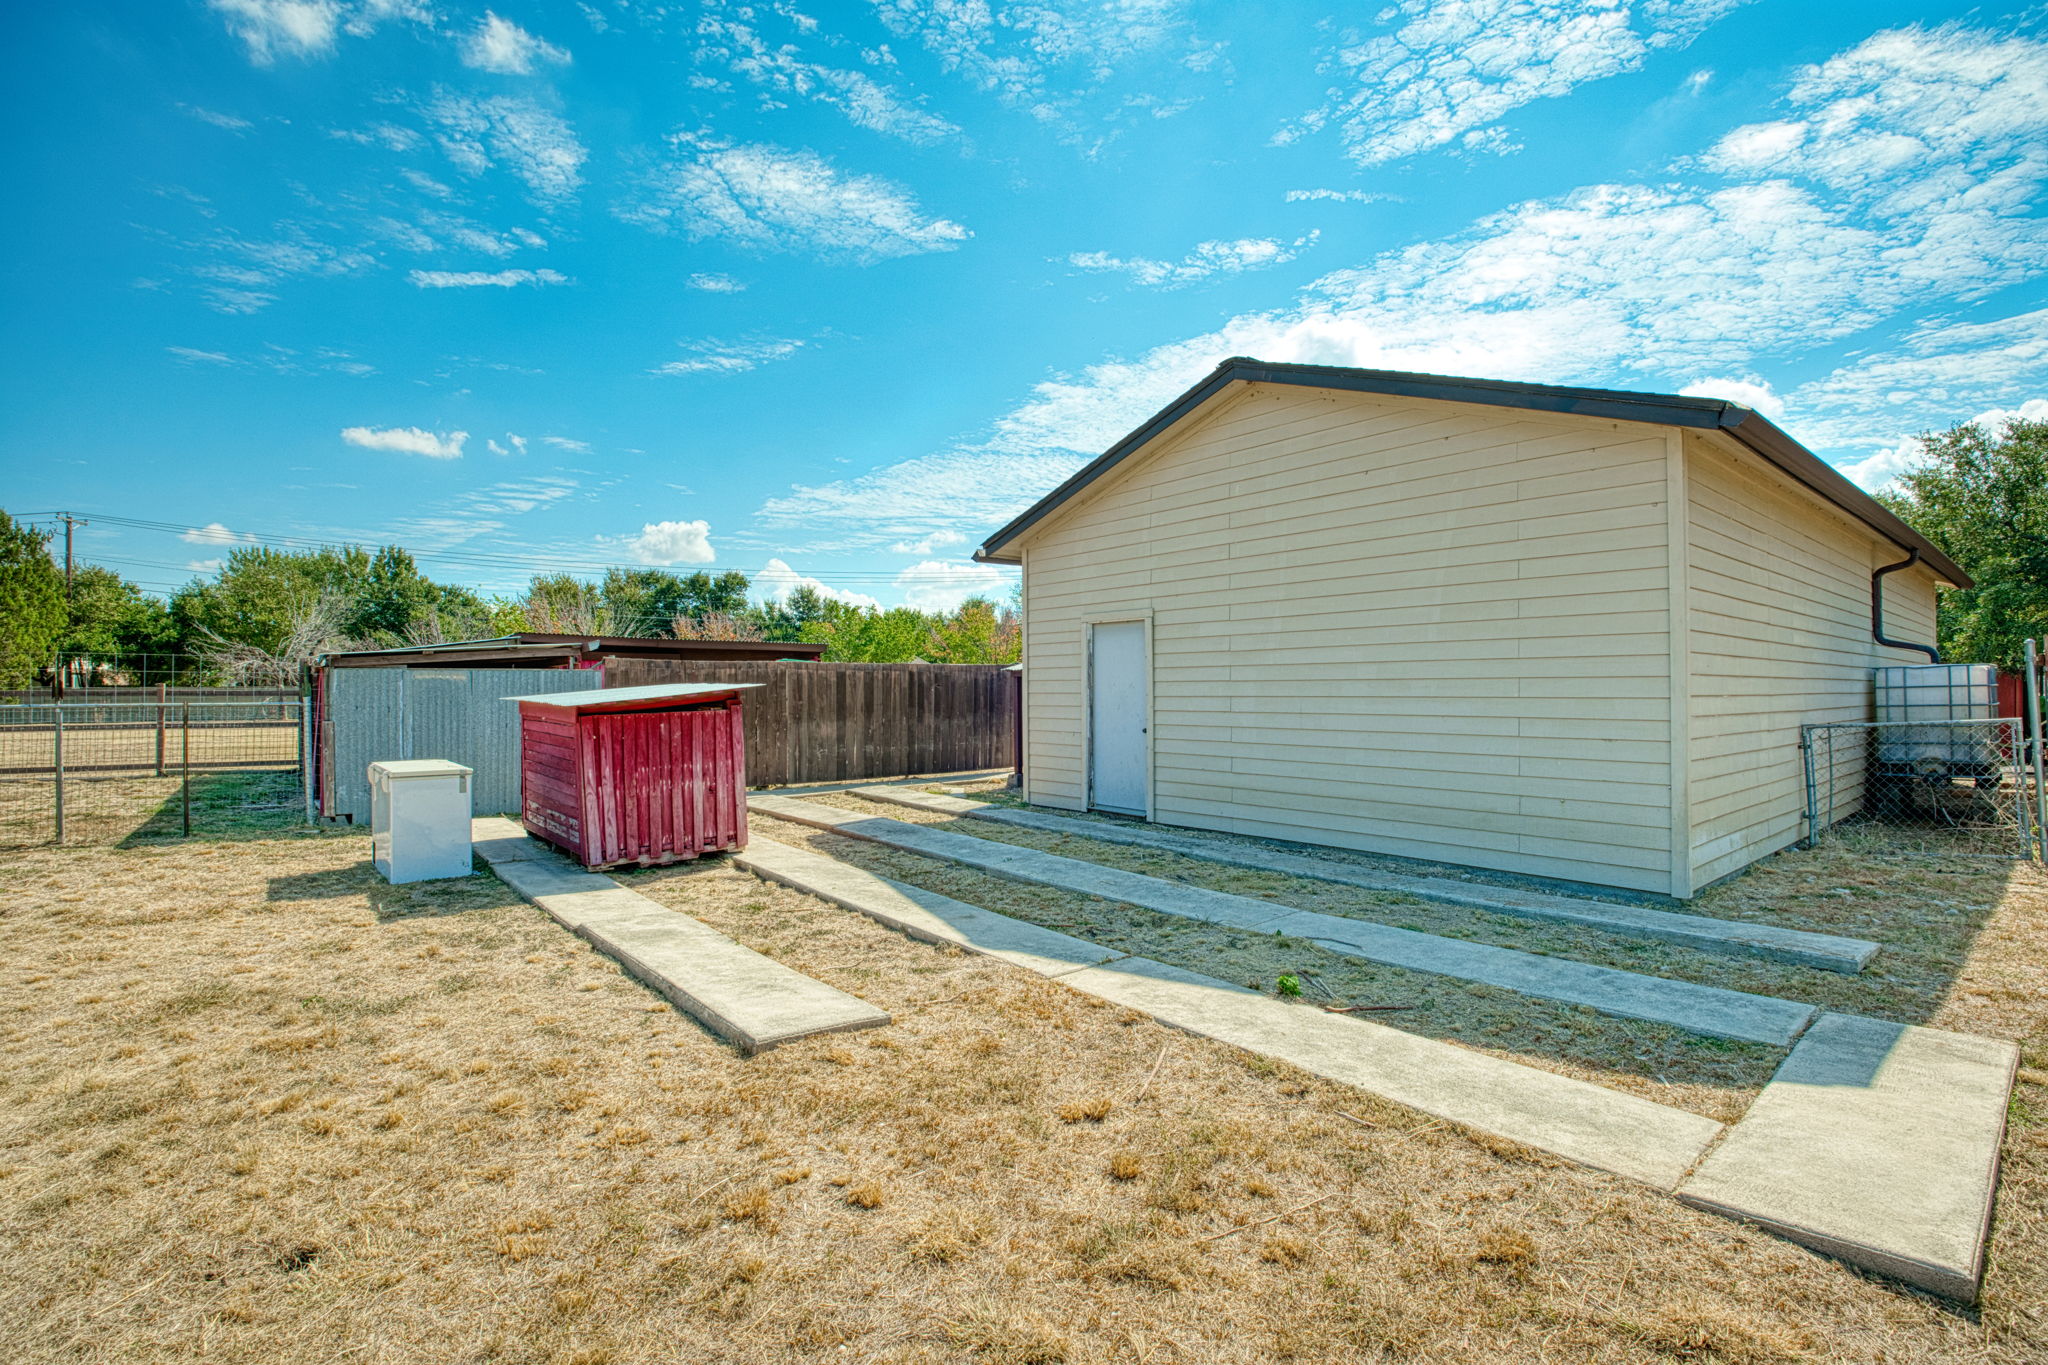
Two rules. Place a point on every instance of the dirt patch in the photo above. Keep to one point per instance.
(259, 1107)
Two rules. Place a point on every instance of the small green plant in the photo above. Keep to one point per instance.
(1289, 985)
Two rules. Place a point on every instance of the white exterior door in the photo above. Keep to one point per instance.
(1119, 717)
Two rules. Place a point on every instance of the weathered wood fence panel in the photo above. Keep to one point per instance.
(819, 722)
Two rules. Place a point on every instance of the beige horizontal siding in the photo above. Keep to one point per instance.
(1414, 628)
(1779, 637)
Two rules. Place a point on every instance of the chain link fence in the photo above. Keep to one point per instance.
(1960, 788)
(99, 770)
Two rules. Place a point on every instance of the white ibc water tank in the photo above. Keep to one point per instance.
(1917, 707)
(419, 819)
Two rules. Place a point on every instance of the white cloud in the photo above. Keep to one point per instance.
(940, 585)
(532, 143)
(269, 28)
(569, 443)
(773, 199)
(1875, 471)
(214, 533)
(387, 135)
(1044, 57)
(1455, 68)
(1342, 196)
(502, 46)
(1751, 393)
(723, 357)
(781, 69)
(205, 566)
(777, 581)
(931, 544)
(408, 440)
(970, 492)
(715, 284)
(217, 119)
(472, 279)
(191, 355)
(671, 542)
(1208, 258)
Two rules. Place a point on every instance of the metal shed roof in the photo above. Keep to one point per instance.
(1711, 414)
(535, 647)
(613, 696)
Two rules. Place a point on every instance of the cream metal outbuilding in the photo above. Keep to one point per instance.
(1566, 633)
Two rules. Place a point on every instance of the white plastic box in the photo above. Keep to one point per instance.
(419, 819)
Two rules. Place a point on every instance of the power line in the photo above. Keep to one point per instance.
(488, 560)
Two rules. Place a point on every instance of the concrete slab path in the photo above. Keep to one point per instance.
(922, 914)
(1709, 1010)
(1877, 1143)
(1586, 1123)
(1827, 951)
(737, 993)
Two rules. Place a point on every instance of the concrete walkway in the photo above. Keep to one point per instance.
(1875, 1142)
(737, 993)
(1826, 951)
(1587, 1123)
(1708, 1010)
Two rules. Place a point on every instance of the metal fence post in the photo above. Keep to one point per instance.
(1812, 805)
(57, 755)
(2034, 723)
(161, 703)
(186, 747)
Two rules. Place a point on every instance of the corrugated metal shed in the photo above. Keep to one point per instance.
(372, 715)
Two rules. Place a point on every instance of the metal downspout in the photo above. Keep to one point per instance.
(1877, 609)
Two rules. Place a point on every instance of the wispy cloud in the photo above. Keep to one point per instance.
(780, 200)
(531, 142)
(931, 544)
(499, 45)
(473, 279)
(729, 357)
(736, 44)
(1208, 258)
(568, 443)
(1342, 197)
(715, 284)
(1809, 242)
(216, 118)
(408, 441)
(1453, 69)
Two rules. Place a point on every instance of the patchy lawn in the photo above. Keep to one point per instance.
(260, 1107)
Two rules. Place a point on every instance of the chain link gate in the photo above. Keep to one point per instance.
(1959, 788)
(92, 771)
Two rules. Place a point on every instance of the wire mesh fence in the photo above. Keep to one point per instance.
(1961, 788)
(105, 769)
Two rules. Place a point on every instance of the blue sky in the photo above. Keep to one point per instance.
(829, 292)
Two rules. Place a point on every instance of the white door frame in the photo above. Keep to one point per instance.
(1143, 619)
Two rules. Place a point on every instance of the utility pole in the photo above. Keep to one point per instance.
(71, 523)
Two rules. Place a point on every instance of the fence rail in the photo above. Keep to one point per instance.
(830, 722)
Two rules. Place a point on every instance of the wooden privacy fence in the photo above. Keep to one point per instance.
(819, 722)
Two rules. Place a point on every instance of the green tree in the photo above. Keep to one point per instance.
(32, 617)
(109, 618)
(1982, 497)
(263, 597)
(392, 599)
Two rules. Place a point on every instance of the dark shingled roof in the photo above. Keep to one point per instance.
(1672, 410)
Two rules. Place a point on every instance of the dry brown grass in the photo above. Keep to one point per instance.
(199, 1044)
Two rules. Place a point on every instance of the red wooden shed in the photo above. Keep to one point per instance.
(641, 775)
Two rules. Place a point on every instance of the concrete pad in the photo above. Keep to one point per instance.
(497, 839)
(1587, 1123)
(1877, 1143)
(923, 914)
(1710, 1010)
(737, 993)
(1828, 952)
